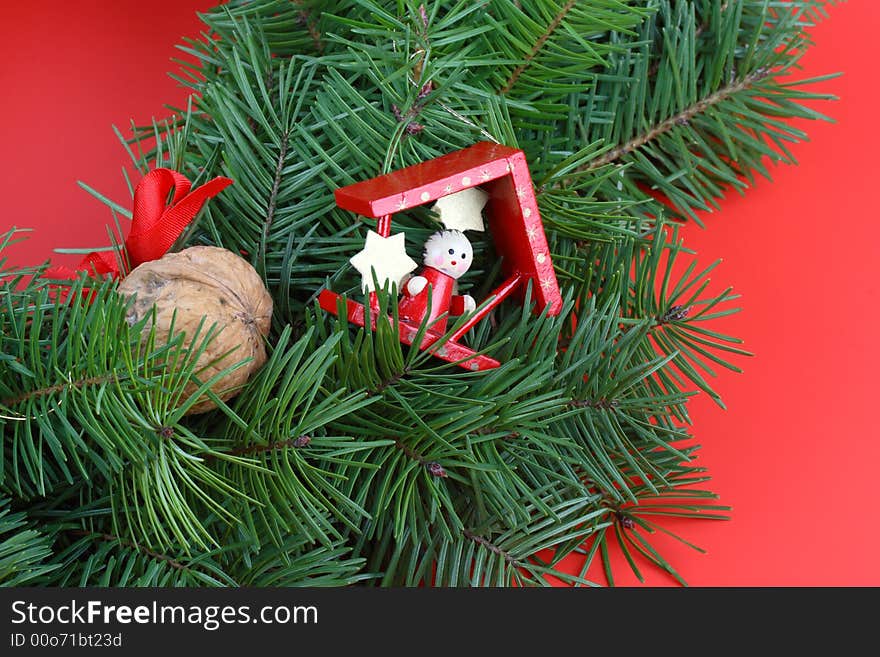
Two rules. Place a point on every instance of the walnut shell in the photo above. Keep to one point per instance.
(222, 287)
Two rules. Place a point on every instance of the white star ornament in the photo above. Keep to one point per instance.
(461, 211)
(387, 256)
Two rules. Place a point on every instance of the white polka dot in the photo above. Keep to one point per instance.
(465, 181)
(527, 212)
(425, 196)
(541, 258)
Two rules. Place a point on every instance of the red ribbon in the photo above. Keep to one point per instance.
(154, 225)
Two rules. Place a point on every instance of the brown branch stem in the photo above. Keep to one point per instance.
(390, 381)
(551, 28)
(305, 18)
(410, 452)
(300, 441)
(49, 390)
(273, 195)
(494, 549)
(140, 548)
(682, 118)
(432, 466)
(594, 403)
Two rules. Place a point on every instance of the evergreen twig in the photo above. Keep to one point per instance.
(539, 44)
(681, 118)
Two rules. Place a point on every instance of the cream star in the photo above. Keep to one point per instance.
(387, 256)
(461, 211)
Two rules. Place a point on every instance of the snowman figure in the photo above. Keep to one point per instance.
(448, 255)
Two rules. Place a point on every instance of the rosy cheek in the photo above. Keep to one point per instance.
(438, 260)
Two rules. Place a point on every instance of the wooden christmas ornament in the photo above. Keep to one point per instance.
(460, 184)
(211, 286)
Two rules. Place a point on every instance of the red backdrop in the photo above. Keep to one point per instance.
(794, 454)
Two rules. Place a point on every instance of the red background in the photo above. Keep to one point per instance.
(795, 453)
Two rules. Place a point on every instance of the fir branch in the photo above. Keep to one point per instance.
(701, 28)
(273, 195)
(413, 128)
(110, 538)
(432, 466)
(386, 383)
(305, 19)
(479, 540)
(300, 441)
(51, 390)
(539, 44)
(674, 314)
(269, 81)
(705, 24)
(509, 435)
(602, 402)
(682, 118)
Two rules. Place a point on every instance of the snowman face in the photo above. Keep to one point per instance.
(450, 252)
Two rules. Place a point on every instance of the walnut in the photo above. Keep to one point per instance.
(222, 287)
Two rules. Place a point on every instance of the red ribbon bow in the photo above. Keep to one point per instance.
(154, 225)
